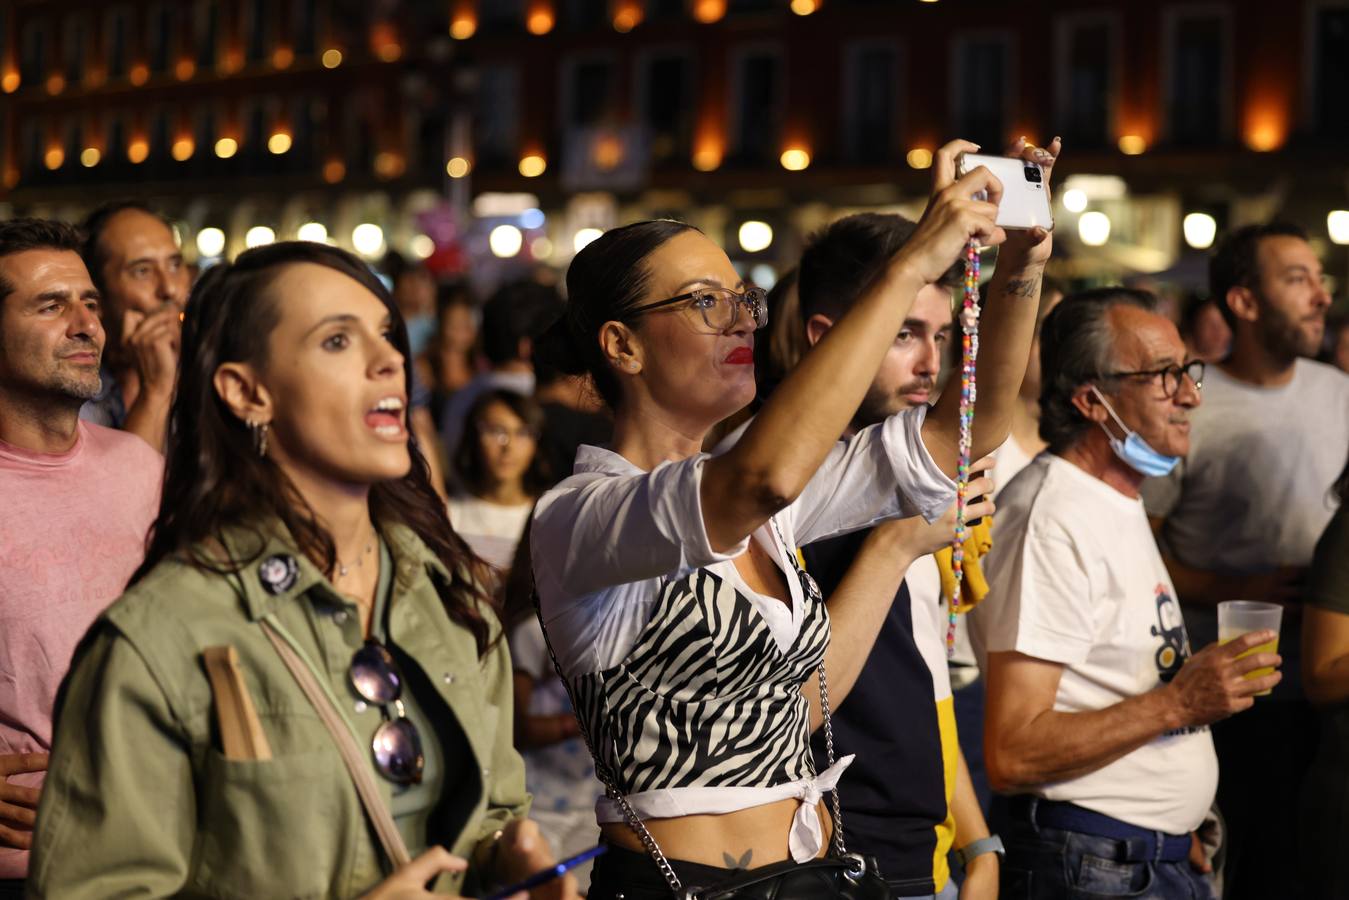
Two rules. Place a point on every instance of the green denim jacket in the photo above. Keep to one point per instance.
(140, 800)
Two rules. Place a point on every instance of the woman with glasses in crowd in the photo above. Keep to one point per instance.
(302, 592)
(668, 581)
(501, 473)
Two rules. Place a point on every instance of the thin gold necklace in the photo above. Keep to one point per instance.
(360, 560)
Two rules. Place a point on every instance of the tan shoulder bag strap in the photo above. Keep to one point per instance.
(352, 756)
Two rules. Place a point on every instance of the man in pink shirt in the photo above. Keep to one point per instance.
(78, 501)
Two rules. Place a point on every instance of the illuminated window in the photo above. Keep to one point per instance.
(161, 28)
(501, 15)
(981, 88)
(33, 52)
(757, 89)
(1197, 94)
(30, 146)
(116, 39)
(1087, 52)
(305, 26)
(206, 26)
(496, 115)
(666, 91)
(256, 21)
(161, 134)
(590, 92)
(1331, 86)
(74, 47)
(581, 15)
(871, 98)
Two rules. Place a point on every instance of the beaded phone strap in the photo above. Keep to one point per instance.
(969, 353)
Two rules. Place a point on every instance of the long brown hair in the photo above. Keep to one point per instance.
(470, 463)
(214, 480)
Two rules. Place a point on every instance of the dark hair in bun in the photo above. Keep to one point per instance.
(604, 282)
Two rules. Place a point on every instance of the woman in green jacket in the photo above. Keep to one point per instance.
(296, 517)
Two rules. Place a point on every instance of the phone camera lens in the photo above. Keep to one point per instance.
(1032, 173)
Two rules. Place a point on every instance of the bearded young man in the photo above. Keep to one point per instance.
(1240, 516)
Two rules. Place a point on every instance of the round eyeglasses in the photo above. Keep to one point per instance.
(1171, 375)
(720, 307)
(497, 434)
(397, 745)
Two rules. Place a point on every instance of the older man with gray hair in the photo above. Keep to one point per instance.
(1097, 716)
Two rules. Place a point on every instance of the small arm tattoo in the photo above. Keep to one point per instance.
(1022, 287)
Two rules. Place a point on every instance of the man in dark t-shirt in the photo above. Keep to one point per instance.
(907, 797)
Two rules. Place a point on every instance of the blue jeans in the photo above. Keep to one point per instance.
(1050, 864)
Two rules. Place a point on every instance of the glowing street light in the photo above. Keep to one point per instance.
(1337, 223)
(583, 237)
(533, 165)
(368, 239)
(1132, 145)
(1094, 228)
(919, 158)
(210, 242)
(422, 246)
(259, 236)
(795, 159)
(1200, 229)
(755, 236)
(316, 232)
(505, 241)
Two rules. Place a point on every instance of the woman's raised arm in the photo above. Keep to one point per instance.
(789, 439)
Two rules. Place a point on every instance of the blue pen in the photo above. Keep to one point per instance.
(548, 874)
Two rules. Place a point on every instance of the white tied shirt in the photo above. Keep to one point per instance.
(605, 539)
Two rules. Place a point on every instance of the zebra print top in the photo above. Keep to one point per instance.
(685, 680)
(706, 697)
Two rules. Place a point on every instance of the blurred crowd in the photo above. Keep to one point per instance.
(1153, 460)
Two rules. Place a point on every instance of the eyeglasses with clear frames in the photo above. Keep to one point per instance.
(720, 307)
(1171, 375)
(498, 434)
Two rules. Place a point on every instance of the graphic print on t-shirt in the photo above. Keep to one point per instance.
(1170, 627)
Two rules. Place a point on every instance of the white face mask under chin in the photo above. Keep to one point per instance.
(1135, 452)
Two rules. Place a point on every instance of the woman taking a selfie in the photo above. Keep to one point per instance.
(668, 581)
(305, 660)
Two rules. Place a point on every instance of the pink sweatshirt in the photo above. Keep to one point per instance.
(72, 530)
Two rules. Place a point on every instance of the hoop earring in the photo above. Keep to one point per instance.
(259, 432)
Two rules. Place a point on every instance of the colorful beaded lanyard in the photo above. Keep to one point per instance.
(969, 352)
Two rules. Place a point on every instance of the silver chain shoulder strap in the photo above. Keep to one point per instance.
(836, 808)
(607, 778)
(610, 781)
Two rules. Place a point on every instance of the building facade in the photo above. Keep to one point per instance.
(456, 116)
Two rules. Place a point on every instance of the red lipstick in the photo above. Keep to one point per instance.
(740, 356)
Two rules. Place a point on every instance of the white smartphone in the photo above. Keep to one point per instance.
(1025, 199)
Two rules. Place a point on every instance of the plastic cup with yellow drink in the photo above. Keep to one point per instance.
(1238, 617)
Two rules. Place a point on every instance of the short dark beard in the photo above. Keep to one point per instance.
(877, 406)
(1282, 337)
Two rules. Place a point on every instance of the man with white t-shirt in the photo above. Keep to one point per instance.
(1098, 714)
(1240, 517)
